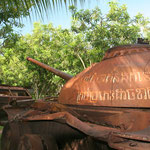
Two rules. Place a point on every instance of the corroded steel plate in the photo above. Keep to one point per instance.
(121, 79)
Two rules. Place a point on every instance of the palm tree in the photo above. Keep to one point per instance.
(40, 6)
(12, 10)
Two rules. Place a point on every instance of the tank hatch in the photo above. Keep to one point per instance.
(121, 79)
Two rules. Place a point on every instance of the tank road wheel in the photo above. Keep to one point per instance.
(36, 142)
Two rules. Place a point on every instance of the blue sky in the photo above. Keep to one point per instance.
(63, 17)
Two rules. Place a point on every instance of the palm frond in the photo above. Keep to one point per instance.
(41, 6)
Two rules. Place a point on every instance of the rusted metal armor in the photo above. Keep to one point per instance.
(106, 106)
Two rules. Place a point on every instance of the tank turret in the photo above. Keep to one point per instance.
(121, 79)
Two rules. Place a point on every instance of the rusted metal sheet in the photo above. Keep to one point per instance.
(113, 136)
(123, 119)
(122, 79)
(142, 135)
(88, 129)
(130, 140)
(10, 93)
(46, 130)
(105, 127)
(11, 87)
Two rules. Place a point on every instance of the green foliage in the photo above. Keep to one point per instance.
(104, 31)
(9, 18)
(40, 6)
(71, 51)
(56, 47)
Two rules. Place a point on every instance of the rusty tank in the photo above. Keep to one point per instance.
(11, 95)
(106, 106)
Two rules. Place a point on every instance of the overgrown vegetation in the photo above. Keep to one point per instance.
(91, 34)
(9, 18)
